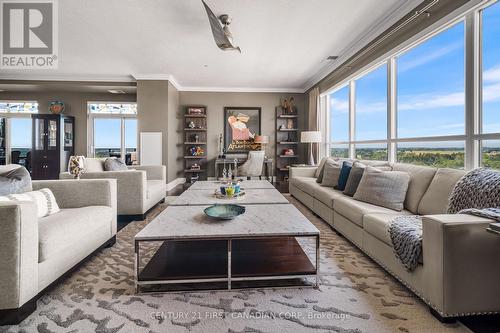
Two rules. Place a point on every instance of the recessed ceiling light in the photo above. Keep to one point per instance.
(332, 57)
(116, 91)
(205, 65)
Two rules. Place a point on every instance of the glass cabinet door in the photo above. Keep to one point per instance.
(52, 135)
(39, 134)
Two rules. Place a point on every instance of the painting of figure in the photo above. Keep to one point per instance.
(241, 124)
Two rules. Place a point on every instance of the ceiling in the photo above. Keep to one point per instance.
(284, 42)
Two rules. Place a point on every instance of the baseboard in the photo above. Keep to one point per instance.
(174, 183)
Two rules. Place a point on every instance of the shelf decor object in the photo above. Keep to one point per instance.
(310, 137)
(195, 143)
(287, 141)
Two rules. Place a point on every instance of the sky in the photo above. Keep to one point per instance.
(430, 89)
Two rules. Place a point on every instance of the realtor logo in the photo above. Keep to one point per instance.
(29, 34)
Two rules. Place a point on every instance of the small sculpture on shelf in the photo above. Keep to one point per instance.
(288, 152)
(196, 138)
(196, 151)
(289, 124)
(195, 166)
(196, 111)
(191, 124)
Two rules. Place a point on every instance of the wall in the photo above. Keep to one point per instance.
(75, 105)
(216, 101)
(175, 164)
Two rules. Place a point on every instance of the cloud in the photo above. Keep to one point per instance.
(431, 101)
(404, 66)
(492, 74)
(340, 105)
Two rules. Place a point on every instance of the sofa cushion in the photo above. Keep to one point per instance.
(320, 167)
(14, 181)
(421, 177)
(44, 200)
(435, 199)
(383, 188)
(156, 187)
(355, 210)
(94, 165)
(305, 184)
(331, 173)
(377, 224)
(355, 176)
(66, 228)
(326, 195)
(344, 175)
(114, 164)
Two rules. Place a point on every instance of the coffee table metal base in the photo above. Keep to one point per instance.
(226, 264)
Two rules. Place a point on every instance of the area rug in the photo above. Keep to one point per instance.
(355, 295)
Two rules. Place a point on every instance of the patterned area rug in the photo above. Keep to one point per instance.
(355, 295)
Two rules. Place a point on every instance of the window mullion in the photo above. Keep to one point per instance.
(472, 90)
(392, 110)
(352, 118)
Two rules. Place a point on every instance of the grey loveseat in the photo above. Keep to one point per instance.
(34, 253)
(139, 189)
(459, 271)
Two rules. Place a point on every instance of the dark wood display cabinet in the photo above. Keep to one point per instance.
(53, 143)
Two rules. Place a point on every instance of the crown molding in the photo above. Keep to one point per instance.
(243, 89)
(67, 77)
(379, 27)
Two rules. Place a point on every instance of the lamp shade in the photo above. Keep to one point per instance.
(310, 136)
(261, 139)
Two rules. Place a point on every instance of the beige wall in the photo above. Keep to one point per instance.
(75, 105)
(175, 142)
(216, 101)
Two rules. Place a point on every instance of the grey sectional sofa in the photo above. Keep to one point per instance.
(34, 253)
(139, 189)
(459, 271)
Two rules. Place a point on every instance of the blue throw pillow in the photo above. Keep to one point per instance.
(344, 175)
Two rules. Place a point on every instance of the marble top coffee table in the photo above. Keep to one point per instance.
(245, 184)
(251, 197)
(260, 246)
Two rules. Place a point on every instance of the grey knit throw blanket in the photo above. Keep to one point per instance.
(476, 193)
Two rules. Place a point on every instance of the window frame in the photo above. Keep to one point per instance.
(91, 117)
(470, 17)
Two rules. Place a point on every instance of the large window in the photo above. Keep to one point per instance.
(431, 86)
(113, 131)
(491, 69)
(409, 108)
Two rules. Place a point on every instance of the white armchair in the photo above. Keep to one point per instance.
(139, 189)
(36, 252)
(253, 165)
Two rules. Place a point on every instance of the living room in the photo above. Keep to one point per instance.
(264, 166)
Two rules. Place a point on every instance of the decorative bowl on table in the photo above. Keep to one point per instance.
(224, 211)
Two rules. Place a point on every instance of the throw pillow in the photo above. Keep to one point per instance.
(331, 173)
(383, 188)
(355, 175)
(15, 181)
(44, 200)
(320, 167)
(114, 164)
(344, 175)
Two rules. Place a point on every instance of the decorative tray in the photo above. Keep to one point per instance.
(238, 195)
(224, 211)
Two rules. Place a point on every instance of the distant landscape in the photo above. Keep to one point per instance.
(436, 157)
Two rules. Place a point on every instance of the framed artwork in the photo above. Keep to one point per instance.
(241, 124)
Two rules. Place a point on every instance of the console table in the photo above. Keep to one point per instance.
(219, 162)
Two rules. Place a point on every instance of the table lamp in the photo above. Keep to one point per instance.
(262, 140)
(310, 137)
